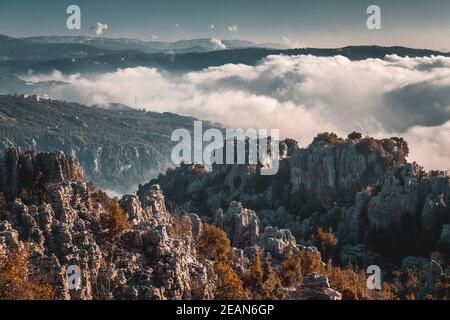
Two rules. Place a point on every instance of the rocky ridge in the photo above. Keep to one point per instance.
(51, 210)
(380, 206)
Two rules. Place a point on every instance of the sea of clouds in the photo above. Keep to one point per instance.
(300, 95)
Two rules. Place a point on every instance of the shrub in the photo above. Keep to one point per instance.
(443, 288)
(330, 138)
(291, 271)
(351, 283)
(169, 171)
(16, 282)
(355, 135)
(229, 285)
(262, 282)
(214, 244)
(115, 222)
(199, 169)
(367, 145)
(326, 242)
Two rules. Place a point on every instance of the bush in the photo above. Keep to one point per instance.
(351, 283)
(329, 138)
(115, 222)
(16, 282)
(229, 285)
(291, 271)
(214, 244)
(355, 135)
(261, 281)
(199, 169)
(326, 242)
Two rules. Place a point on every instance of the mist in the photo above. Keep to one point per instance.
(299, 95)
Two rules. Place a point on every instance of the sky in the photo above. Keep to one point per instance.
(299, 23)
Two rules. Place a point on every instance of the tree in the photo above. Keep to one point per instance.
(229, 285)
(16, 281)
(214, 244)
(326, 242)
(115, 222)
(291, 271)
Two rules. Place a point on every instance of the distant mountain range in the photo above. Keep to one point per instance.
(44, 54)
(181, 46)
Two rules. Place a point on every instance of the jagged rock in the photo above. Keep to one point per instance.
(133, 208)
(361, 187)
(45, 167)
(9, 237)
(445, 236)
(279, 243)
(359, 255)
(316, 287)
(432, 272)
(242, 225)
(148, 261)
(413, 263)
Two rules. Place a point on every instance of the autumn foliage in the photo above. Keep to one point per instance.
(215, 245)
(17, 282)
(115, 222)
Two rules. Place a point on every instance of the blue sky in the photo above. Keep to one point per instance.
(320, 23)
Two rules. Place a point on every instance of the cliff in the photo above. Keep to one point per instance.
(50, 211)
(377, 203)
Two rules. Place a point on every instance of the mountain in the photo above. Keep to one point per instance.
(19, 49)
(124, 44)
(191, 61)
(63, 238)
(118, 147)
(381, 208)
(132, 249)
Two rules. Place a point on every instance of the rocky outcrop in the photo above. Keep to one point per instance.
(363, 188)
(118, 147)
(316, 287)
(241, 224)
(61, 218)
(147, 261)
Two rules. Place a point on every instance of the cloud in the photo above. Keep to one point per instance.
(218, 44)
(100, 28)
(155, 38)
(300, 95)
(212, 26)
(233, 28)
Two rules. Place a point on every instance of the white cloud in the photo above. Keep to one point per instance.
(233, 28)
(300, 95)
(154, 38)
(100, 28)
(218, 44)
(212, 26)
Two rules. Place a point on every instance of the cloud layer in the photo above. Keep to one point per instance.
(300, 95)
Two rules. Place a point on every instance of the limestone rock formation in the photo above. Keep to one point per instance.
(361, 187)
(316, 287)
(62, 220)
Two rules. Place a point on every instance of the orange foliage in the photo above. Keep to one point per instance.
(116, 220)
(16, 282)
(229, 285)
(214, 244)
